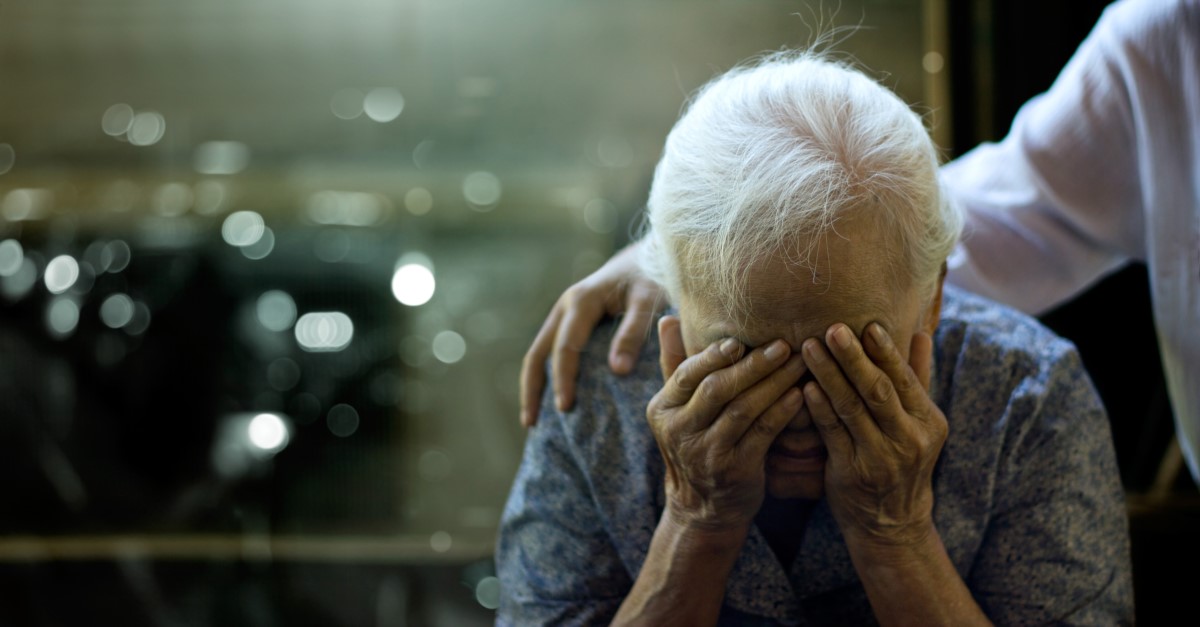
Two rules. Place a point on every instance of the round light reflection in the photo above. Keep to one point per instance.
(347, 104)
(116, 311)
(449, 347)
(147, 128)
(12, 255)
(61, 273)
(243, 228)
(8, 157)
(482, 190)
(383, 104)
(342, 420)
(413, 284)
(268, 432)
(276, 310)
(117, 119)
(62, 316)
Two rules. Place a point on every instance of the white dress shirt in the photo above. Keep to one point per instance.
(1102, 169)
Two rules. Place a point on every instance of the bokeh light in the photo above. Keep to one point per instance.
(342, 420)
(115, 256)
(211, 197)
(261, 248)
(418, 201)
(324, 331)
(268, 432)
(243, 228)
(221, 157)
(283, 374)
(8, 158)
(383, 104)
(116, 311)
(147, 128)
(61, 273)
(173, 199)
(17, 285)
(347, 104)
(140, 321)
(62, 317)
(440, 541)
(482, 190)
(600, 216)
(933, 62)
(487, 592)
(449, 347)
(413, 284)
(117, 119)
(12, 255)
(276, 310)
(26, 204)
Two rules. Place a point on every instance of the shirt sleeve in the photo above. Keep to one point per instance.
(555, 558)
(1057, 204)
(1056, 548)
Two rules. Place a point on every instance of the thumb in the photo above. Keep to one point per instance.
(671, 350)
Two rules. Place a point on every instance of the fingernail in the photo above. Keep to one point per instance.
(811, 351)
(841, 337)
(623, 363)
(560, 403)
(877, 334)
(729, 347)
(775, 350)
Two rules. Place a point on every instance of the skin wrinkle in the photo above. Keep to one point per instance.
(856, 291)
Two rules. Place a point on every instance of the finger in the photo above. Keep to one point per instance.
(921, 359)
(833, 433)
(671, 352)
(580, 316)
(688, 375)
(741, 417)
(872, 384)
(840, 395)
(533, 368)
(912, 391)
(719, 388)
(643, 305)
(763, 431)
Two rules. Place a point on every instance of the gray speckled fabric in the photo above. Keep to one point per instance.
(1028, 501)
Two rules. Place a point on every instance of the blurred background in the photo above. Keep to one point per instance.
(268, 269)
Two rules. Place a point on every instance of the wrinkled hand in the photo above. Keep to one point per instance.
(714, 419)
(881, 429)
(618, 286)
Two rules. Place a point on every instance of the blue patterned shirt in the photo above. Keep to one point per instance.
(1027, 498)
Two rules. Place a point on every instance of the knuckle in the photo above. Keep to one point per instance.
(846, 404)
(738, 412)
(879, 391)
(710, 391)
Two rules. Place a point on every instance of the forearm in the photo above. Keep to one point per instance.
(914, 583)
(682, 581)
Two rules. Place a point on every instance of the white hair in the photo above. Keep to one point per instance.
(783, 148)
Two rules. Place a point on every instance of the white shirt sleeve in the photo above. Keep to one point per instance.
(1101, 169)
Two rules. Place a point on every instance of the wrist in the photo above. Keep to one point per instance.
(701, 531)
(896, 545)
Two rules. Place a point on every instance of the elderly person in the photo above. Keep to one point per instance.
(828, 436)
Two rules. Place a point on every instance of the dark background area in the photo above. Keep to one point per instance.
(1112, 323)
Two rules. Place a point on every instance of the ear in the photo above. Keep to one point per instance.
(933, 314)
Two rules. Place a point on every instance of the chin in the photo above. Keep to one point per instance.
(809, 485)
